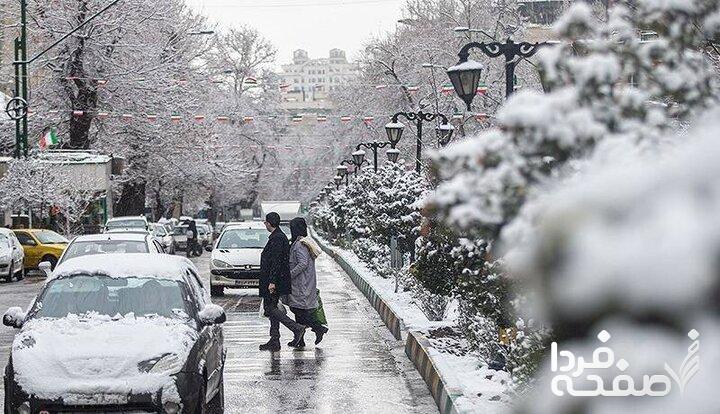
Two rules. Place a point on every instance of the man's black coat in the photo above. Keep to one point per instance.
(274, 265)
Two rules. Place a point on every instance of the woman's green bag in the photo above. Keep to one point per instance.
(318, 314)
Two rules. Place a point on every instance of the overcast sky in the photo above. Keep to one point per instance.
(314, 25)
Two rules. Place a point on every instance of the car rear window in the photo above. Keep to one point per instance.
(87, 248)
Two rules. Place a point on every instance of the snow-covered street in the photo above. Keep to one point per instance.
(358, 368)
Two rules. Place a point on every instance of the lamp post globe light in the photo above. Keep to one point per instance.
(374, 146)
(393, 154)
(395, 129)
(465, 76)
(338, 180)
(358, 157)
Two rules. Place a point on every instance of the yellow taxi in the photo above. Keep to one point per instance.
(41, 246)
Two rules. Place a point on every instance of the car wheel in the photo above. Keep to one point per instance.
(217, 291)
(217, 404)
(20, 275)
(51, 259)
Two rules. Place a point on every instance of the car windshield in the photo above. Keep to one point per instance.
(85, 294)
(180, 231)
(50, 237)
(243, 239)
(160, 230)
(87, 248)
(126, 223)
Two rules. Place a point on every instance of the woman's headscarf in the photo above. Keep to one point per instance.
(298, 228)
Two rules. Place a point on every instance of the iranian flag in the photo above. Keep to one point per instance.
(49, 137)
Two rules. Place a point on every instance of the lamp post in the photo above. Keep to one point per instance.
(465, 76)
(337, 180)
(394, 130)
(374, 146)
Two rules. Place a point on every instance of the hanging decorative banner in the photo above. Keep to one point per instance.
(102, 82)
(222, 118)
(447, 89)
(457, 116)
(297, 119)
(151, 117)
(175, 118)
(182, 81)
(413, 89)
(481, 117)
(368, 120)
(248, 119)
(199, 118)
(78, 113)
(482, 88)
(379, 87)
(103, 115)
(126, 117)
(345, 118)
(249, 80)
(321, 118)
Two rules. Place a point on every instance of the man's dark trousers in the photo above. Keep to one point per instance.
(277, 317)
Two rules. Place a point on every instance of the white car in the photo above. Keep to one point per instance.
(12, 256)
(107, 243)
(235, 260)
(165, 237)
(128, 223)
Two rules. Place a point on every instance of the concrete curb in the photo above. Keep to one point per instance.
(416, 348)
(416, 345)
(392, 321)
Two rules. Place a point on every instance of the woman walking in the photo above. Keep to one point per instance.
(303, 299)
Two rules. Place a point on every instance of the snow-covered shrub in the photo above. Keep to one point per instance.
(632, 248)
(607, 91)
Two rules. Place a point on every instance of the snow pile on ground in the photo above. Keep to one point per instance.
(56, 358)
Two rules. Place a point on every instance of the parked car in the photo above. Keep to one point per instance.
(165, 238)
(125, 223)
(12, 256)
(41, 246)
(121, 334)
(235, 260)
(209, 232)
(180, 238)
(109, 243)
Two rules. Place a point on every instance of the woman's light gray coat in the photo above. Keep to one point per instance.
(302, 274)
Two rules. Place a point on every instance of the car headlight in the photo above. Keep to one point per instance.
(166, 364)
(220, 264)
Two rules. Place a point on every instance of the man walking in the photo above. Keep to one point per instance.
(274, 282)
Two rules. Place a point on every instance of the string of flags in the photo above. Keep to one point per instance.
(247, 119)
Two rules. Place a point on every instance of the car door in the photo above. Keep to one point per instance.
(31, 248)
(212, 349)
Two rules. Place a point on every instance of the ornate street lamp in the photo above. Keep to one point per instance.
(338, 180)
(465, 76)
(394, 129)
(393, 155)
(374, 146)
(328, 189)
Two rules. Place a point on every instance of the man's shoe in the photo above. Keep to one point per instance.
(272, 345)
(319, 335)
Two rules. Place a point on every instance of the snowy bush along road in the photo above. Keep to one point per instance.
(589, 206)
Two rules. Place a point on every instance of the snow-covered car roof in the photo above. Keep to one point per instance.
(244, 225)
(128, 236)
(120, 265)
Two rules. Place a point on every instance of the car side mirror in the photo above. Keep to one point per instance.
(46, 268)
(212, 314)
(14, 317)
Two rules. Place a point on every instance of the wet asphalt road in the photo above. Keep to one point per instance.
(358, 368)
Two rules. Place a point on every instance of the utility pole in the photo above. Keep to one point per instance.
(21, 88)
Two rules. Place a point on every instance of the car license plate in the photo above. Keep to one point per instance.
(97, 399)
